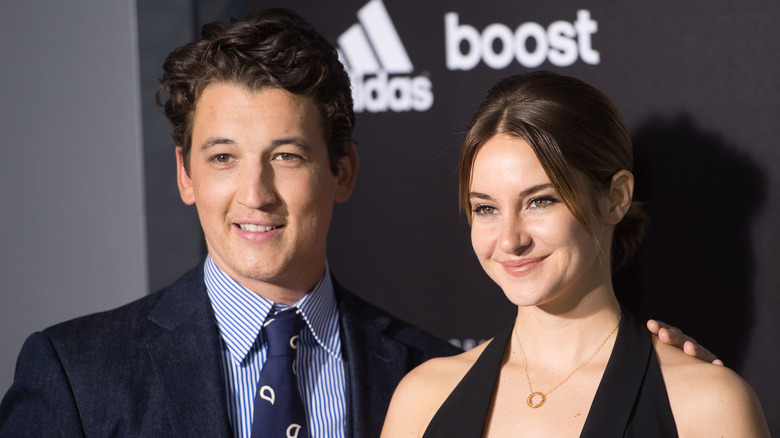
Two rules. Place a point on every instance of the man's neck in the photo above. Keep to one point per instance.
(286, 289)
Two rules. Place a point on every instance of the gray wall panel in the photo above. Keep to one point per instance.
(72, 238)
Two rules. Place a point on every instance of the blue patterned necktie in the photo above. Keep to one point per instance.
(279, 411)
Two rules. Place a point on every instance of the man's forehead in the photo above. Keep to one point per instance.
(226, 99)
(229, 112)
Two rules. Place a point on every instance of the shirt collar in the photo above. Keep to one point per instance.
(240, 313)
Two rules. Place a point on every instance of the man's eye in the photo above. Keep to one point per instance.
(222, 158)
(284, 156)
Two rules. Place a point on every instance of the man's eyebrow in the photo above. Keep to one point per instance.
(296, 141)
(525, 193)
(214, 141)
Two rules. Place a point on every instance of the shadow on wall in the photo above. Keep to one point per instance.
(695, 267)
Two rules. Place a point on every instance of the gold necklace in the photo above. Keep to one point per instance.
(534, 394)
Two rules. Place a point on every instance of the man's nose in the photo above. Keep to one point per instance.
(256, 186)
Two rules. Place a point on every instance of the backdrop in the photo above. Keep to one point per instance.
(695, 81)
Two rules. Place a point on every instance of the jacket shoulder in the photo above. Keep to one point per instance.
(161, 309)
(93, 373)
(358, 312)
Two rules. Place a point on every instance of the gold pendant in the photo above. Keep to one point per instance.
(530, 400)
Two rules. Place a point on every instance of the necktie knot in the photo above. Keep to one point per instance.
(282, 332)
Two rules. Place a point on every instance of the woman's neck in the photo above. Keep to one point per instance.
(558, 337)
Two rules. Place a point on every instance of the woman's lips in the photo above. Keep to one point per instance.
(522, 267)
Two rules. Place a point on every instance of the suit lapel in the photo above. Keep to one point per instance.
(185, 356)
(374, 363)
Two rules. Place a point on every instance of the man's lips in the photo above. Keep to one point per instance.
(258, 228)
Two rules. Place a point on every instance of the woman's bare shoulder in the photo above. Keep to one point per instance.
(707, 399)
(423, 390)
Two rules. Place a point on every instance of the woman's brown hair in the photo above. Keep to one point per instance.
(571, 126)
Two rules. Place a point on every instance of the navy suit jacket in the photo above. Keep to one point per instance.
(152, 368)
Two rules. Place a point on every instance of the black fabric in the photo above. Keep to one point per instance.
(378, 350)
(631, 400)
(464, 412)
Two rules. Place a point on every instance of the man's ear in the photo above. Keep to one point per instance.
(621, 192)
(183, 179)
(347, 174)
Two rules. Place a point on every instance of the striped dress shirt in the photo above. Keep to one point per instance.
(240, 316)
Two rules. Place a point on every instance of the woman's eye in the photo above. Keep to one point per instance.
(542, 202)
(484, 210)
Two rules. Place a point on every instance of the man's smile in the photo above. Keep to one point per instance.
(260, 228)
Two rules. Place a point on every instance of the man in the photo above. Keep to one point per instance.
(262, 118)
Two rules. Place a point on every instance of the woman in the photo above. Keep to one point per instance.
(545, 178)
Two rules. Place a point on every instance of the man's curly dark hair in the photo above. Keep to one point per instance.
(272, 48)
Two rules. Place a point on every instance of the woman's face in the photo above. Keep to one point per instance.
(525, 237)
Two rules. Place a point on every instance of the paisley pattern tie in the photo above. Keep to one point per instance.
(279, 411)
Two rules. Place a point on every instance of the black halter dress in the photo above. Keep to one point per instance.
(631, 400)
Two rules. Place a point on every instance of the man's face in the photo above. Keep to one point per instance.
(259, 175)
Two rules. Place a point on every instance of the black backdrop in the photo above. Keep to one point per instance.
(695, 81)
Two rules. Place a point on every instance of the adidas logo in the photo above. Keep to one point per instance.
(379, 67)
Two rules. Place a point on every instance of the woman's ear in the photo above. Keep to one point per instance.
(621, 192)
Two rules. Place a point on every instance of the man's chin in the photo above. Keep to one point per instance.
(270, 275)
(258, 273)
